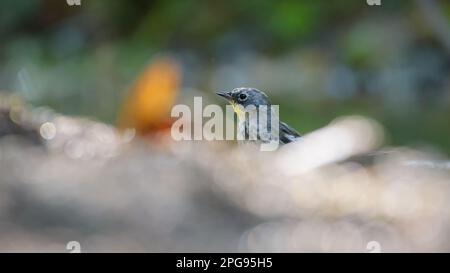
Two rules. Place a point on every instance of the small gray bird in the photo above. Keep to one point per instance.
(246, 100)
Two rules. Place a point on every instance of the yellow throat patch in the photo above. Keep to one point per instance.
(237, 109)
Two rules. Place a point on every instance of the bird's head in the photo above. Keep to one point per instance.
(242, 97)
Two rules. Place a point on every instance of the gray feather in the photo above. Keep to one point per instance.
(287, 133)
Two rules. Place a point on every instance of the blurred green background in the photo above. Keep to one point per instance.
(317, 59)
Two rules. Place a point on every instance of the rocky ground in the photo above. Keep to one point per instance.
(67, 179)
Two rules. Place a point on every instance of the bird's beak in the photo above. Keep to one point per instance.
(225, 95)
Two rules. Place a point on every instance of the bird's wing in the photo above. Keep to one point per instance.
(287, 133)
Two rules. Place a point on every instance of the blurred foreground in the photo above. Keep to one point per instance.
(66, 179)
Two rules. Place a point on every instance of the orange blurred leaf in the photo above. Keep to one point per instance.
(149, 102)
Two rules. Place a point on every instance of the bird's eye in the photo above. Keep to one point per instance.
(242, 97)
